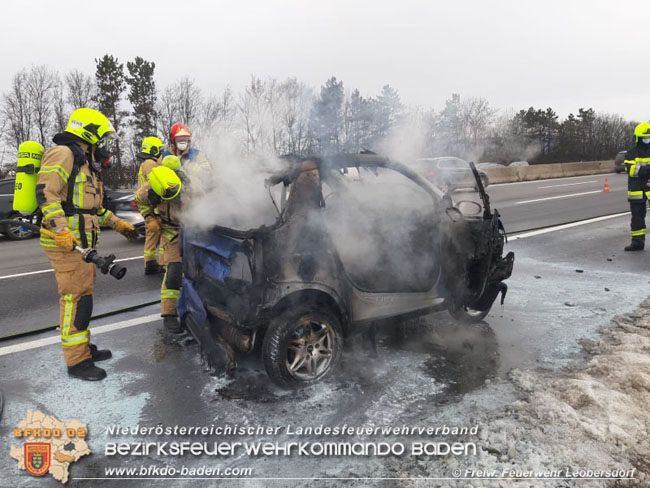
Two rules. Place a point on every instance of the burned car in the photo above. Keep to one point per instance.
(357, 239)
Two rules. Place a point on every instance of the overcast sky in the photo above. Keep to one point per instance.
(516, 53)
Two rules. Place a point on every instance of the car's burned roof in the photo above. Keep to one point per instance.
(326, 168)
(346, 161)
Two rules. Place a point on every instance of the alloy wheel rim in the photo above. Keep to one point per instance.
(19, 230)
(310, 349)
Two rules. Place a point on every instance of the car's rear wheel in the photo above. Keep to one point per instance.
(17, 231)
(302, 345)
(465, 314)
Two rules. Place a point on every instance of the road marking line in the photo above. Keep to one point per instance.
(29, 273)
(564, 226)
(559, 196)
(100, 329)
(568, 184)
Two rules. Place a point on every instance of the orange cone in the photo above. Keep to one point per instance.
(606, 187)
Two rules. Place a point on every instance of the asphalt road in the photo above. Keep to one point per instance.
(535, 204)
(430, 372)
(28, 290)
(29, 293)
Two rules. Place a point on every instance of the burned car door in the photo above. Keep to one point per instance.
(383, 227)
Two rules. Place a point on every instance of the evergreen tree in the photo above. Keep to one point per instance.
(358, 122)
(388, 110)
(142, 95)
(450, 128)
(111, 84)
(538, 127)
(327, 116)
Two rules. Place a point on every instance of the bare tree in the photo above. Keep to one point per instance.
(476, 116)
(166, 110)
(17, 111)
(297, 100)
(41, 83)
(189, 99)
(210, 112)
(263, 108)
(182, 102)
(60, 107)
(80, 89)
(228, 106)
(250, 108)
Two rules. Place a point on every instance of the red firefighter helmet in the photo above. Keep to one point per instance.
(179, 129)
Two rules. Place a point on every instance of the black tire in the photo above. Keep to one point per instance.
(18, 232)
(466, 315)
(311, 328)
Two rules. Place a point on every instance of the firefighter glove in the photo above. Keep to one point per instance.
(65, 238)
(153, 224)
(126, 229)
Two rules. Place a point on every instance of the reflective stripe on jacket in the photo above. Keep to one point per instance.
(52, 194)
(168, 211)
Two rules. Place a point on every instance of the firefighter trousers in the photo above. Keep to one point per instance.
(151, 243)
(171, 284)
(637, 224)
(75, 280)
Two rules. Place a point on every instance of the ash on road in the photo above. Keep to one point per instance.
(583, 410)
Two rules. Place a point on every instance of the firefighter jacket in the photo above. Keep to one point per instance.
(70, 194)
(168, 211)
(145, 168)
(637, 162)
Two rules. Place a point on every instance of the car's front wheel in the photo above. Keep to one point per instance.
(17, 231)
(302, 345)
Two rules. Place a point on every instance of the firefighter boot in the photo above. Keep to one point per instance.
(171, 324)
(86, 370)
(636, 245)
(99, 354)
(152, 267)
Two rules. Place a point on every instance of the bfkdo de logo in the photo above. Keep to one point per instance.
(37, 458)
(48, 445)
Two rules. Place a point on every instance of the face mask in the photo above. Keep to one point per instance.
(182, 145)
(103, 156)
(645, 141)
(103, 151)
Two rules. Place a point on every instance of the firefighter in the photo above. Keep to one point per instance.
(195, 165)
(150, 156)
(159, 200)
(637, 163)
(70, 195)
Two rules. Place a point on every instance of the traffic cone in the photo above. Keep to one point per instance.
(606, 187)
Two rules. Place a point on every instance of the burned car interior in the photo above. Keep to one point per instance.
(358, 238)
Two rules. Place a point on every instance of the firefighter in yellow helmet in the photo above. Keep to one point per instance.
(70, 195)
(161, 193)
(149, 157)
(637, 163)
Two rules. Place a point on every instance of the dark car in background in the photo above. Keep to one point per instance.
(619, 167)
(16, 232)
(120, 202)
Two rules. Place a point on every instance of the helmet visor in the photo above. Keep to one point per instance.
(170, 192)
(107, 142)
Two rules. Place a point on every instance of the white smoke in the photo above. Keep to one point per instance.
(234, 195)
